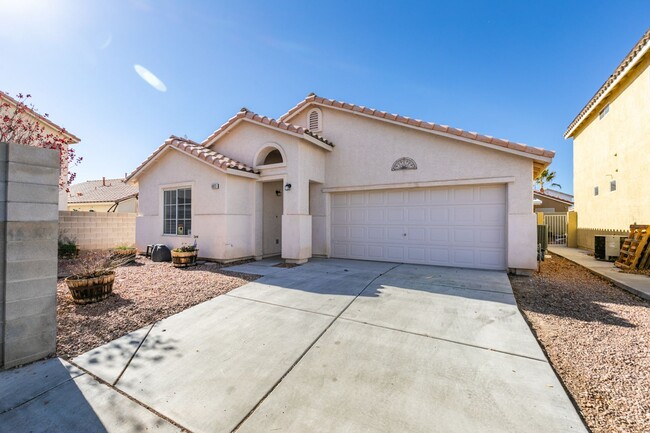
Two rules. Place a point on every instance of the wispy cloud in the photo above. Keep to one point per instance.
(150, 78)
(286, 46)
(107, 42)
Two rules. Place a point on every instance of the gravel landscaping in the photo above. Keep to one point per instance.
(143, 293)
(597, 338)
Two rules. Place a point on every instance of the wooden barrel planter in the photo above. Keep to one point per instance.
(184, 259)
(89, 290)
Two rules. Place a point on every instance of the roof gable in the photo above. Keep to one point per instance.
(202, 153)
(551, 197)
(541, 157)
(245, 115)
(632, 59)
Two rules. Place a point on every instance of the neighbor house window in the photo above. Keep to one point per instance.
(595, 190)
(612, 185)
(177, 211)
(603, 112)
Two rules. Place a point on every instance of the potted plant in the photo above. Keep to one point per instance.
(92, 278)
(124, 253)
(185, 256)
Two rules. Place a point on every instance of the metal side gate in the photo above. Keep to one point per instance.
(557, 228)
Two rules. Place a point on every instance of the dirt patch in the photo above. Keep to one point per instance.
(143, 293)
(286, 265)
(597, 337)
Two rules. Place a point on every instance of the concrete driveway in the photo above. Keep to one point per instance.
(330, 346)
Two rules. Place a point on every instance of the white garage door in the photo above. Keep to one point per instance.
(454, 226)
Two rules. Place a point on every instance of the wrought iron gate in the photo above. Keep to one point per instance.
(557, 228)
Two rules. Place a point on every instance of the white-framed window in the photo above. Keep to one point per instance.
(612, 185)
(603, 112)
(177, 211)
(595, 190)
(315, 120)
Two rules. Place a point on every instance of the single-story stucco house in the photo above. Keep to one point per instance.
(335, 179)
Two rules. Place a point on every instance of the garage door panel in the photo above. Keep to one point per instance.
(394, 234)
(416, 234)
(464, 237)
(455, 226)
(417, 197)
(489, 194)
(339, 215)
(376, 234)
(395, 252)
(491, 237)
(376, 215)
(439, 235)
(357, 233)
(491, 214)
(394, 197)
(416, 254)
(464, 215)
(439, 215)
(395, 215)
(463, 256)
(417, 215)
(358, 251)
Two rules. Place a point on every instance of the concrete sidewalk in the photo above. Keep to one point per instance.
(633, 283)
(329, 346)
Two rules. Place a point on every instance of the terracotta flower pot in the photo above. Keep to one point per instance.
(89, 290)
(184, 259)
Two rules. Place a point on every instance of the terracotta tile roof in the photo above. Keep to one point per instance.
(314, 99)
(632, 58)
(552, 197)
(245, 114)
(102, 190)
(195, 149)
(74, 139)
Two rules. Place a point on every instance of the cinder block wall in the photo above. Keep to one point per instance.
(29, 197)
(586, 236)
(98, 230)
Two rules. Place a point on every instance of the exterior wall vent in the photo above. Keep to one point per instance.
(315, 120)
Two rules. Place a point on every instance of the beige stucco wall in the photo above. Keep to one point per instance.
(97, 230)
(221, 218)
(229, 221)
(616, 147)
(366, 148)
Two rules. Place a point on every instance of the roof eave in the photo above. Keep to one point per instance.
(597, 100)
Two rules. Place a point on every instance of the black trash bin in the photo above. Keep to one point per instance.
(161, 253)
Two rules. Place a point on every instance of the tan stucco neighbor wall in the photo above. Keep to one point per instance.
(97, 230)
(616, 147)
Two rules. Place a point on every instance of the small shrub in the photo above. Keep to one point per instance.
(68, 248)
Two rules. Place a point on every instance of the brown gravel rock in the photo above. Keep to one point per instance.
(597, 338)
(143, 293)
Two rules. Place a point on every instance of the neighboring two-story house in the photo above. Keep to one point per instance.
(611, 150)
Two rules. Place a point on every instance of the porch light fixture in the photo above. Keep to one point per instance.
(287, 187)
(215, 186)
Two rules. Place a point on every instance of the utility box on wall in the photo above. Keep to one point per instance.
(29, 201)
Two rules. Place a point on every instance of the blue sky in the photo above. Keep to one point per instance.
(512, 69)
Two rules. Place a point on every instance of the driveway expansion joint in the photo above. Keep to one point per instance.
(130, 397)
(444, 339)
(318, 337)
(133, 354)
(44, 392)
(278, 305)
